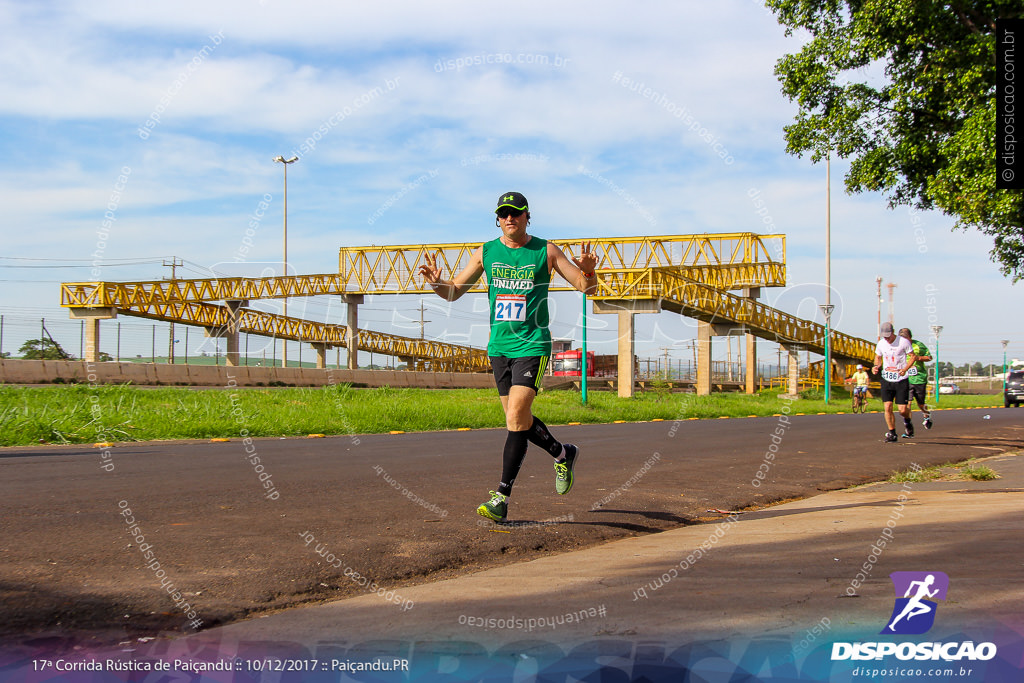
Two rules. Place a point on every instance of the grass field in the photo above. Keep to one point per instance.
(90, 414)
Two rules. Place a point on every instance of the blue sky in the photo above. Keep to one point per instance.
(409, 120)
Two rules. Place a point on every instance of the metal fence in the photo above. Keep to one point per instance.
(138, 340)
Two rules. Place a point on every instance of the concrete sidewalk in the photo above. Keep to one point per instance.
(812, 566)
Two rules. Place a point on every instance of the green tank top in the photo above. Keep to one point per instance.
(517, 289)
(918, 374)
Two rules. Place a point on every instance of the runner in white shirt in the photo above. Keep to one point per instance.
(894, 356)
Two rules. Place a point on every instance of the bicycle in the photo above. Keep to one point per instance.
(860, 401)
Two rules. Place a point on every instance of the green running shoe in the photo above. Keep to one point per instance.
(563, 470)
(496, 509)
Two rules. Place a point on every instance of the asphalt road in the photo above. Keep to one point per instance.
(234, 537)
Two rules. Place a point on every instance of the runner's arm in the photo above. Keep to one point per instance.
(580, 272)
(911, 360)
(450, 290)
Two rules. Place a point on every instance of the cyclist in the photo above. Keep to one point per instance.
(860, 381)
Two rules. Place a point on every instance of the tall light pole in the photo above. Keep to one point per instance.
(281, 160)
(827, 310)
(1005, 343)
(828, 307)
(828, 235)
(878, 281)
(936, 330)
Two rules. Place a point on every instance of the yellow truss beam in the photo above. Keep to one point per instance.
(150, 292)
(703, 302)
(727, 260)
(723, 260)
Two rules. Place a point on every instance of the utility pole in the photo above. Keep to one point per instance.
(422, 321)
(668, 373)
(892, 304)
(175, 262)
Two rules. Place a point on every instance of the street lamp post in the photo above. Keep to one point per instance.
(1005, 344)
(936, 330)
(827, 310)
(583, 355)
(281, 160)
(828, 307)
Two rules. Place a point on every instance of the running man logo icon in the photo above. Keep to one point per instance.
(913, 613)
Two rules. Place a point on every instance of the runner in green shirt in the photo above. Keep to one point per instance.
(919, 376)
(518, 267)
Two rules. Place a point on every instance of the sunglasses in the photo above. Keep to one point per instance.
(505, 212)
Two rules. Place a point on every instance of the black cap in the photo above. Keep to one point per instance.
(514, 200)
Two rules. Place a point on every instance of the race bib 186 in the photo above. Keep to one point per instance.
(509, 308)
(891, 375)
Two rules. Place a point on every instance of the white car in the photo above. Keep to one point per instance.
(949, 389)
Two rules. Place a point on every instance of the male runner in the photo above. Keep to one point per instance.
(894, 356)
(918, 376)
(518, 268)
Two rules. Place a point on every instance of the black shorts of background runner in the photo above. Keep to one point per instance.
(521, 372)
(897, 392)
(919, 392)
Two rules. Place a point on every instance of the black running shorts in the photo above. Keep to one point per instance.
(521, 372)
(896, 392)
(919, 393)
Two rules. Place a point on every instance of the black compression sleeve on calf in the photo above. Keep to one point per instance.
(540, 435)
(516, 444)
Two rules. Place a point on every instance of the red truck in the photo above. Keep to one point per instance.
(567, 364)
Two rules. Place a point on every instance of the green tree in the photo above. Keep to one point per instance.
(924, 133)
(43, 349)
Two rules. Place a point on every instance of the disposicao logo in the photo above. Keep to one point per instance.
(913, 614)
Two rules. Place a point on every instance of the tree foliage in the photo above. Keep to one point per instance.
(42, 349)
(907, 90)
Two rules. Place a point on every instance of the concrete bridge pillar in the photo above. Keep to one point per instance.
(705, 331)
(352, 301)
(703, 358)
(626, 309)
(230, 330)
(793, 390)
(751, 379)
(321, 354)
(92, 318)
